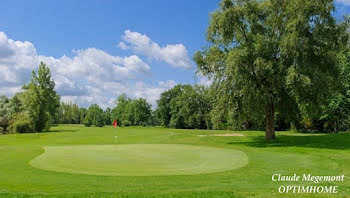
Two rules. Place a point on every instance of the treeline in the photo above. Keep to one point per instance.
(128, 112)
(184, 106)
(198, 107)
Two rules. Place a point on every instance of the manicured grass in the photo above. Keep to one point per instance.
(317, 154)
(139, 159)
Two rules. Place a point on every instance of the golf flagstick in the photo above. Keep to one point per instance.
(115, 124)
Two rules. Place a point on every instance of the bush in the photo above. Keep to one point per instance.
(21, 123)
(22, 127)
(87, 122)
(126, 123)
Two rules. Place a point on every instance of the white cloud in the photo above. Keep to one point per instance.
(173, 54)
(123, 46)
(90, 76)
(344, 2)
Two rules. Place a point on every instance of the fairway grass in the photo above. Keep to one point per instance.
(293, 153)
(139, 159)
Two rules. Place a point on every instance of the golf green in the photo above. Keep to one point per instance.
(139, 159)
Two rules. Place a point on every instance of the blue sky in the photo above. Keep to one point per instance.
(98, 50)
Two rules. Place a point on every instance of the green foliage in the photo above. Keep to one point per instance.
(22, 123)
(132, 112)
(190, 109)
(95, 116)
(39, 98)
(336, 114)
(141, 112)
(68, 113)
(163, 109)
(87, 121)
(16, 103)
(121, 111)
(108, 116)
(6, 111)
(185, 106)
(82, 114)
(22, 127)
(263, 54)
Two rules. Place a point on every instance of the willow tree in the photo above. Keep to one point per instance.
(272, 55)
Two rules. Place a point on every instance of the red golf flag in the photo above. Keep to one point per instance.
(115, 123)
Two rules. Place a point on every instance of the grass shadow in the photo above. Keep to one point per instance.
(59, 130)
(339, 141)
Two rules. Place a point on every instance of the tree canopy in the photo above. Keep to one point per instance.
(132, 111)
(185, 106)
(39, 99)
(272, 56)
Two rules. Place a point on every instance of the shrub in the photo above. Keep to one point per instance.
(21, 123)
(126, 123)
(22, 127)
(87, 122)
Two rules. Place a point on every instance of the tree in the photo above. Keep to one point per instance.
(87, 121)
(337, 112)
(83, 114)
(16, 103)
(163, 109)
(6, 111)
(68, 113)
(185, 106)
(108, 116)
(265, 56)
(141, 112)
(131, 112)
(122, 111)
(39, 98)
(190, 108)
(95, 116)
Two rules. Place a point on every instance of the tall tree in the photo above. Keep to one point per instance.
(266, 54)
(40, 99)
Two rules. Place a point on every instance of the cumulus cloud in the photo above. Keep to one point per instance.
(173, 54)
(90, 76)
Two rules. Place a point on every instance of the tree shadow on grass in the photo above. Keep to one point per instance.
(60, 130)
(339, 141)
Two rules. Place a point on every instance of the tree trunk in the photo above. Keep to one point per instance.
(270, 123)
(335, 126)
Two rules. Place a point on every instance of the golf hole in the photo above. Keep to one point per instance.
(139, 159)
